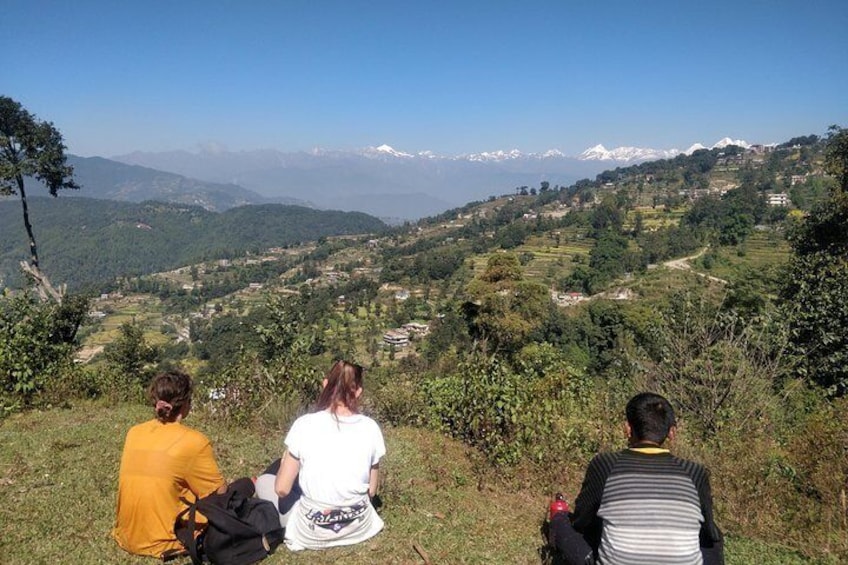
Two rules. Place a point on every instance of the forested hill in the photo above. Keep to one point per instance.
(85, 241)
(111, 180)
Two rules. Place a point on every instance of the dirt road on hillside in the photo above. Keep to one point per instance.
(682, 264)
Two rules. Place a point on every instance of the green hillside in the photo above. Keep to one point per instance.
(502, 340)
(87, 242)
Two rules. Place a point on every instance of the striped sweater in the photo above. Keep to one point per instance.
(645, 506)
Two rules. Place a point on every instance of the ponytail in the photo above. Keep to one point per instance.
(343, 380)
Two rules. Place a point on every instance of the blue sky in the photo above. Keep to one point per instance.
(451, 77)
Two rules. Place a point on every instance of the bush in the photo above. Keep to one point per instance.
(250, 392)
(37, 341)
(511, 414)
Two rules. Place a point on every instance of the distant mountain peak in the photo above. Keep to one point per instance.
(725, 141)
(487, 156)
(601, 153)
(627, 154)
(386, 150)
(694, 147)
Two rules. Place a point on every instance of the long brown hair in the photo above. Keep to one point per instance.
(343, 380)
(170, 393)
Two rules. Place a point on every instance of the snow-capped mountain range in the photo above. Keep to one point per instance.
(385, 181)
(596, 153)
(628, 154)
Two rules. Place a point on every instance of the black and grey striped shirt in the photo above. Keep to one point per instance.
(646, 506)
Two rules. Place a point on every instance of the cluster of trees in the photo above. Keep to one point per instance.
(124, 239)
(525, 382)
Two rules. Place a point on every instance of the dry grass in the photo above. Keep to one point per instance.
(58, 475)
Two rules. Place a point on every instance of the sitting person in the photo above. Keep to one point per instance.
(161, 462)
(333, 456)
(642, 504)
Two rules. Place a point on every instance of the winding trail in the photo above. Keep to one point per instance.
(682, 264)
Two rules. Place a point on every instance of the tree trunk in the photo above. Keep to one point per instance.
(45, 288)
(33, 250)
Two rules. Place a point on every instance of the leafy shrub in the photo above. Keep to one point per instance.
(397, 399)
(37, 341)
(510, 414)
(250, 391)
(130, 356)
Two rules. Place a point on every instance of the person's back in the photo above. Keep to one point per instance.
(649, 507)
(333, 454)
(162, 461)
(336, 454)
(642, 504)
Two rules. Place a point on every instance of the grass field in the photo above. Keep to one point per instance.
(58, 476)
(762, 252)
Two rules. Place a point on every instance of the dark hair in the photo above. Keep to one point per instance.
(650, 417)
(343, 380)
(170, 393)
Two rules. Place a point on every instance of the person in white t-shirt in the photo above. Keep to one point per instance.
(333, 454)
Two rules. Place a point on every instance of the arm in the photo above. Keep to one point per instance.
(204, 477)
(585, 518)
(373, 480)
(289, 468)
(711, 539)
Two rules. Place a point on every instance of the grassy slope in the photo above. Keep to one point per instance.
(58, 473)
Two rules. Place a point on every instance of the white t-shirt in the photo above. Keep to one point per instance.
(336, 454)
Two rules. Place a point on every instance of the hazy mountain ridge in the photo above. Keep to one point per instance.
(112, 180)
(388, 182)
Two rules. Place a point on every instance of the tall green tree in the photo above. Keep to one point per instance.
(30, 148)
(130, 354)
(815, 296)
(836, 155)
(505, 308)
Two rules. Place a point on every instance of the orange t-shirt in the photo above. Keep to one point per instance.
(160, 463)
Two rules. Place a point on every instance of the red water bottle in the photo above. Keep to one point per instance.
(558, 505)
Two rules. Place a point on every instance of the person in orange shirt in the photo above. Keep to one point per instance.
(162, 461)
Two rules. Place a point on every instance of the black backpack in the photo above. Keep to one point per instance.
(241, 530)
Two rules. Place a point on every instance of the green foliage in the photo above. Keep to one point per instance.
(732, 218)
(124, 239)
(481, 404)
(37, 341)
(668, 243)
(513, 413)
(275, 380)
(130, 355)
(506, 309)
(266, 394)
(836, 155)
(719, 368)
(30, 148)
(285, 332)
(805, 195)
(815, 295)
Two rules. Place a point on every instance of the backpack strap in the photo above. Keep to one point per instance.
(184, 527)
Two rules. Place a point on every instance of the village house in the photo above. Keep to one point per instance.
(334, 277)
(416, 328)
(567, 298)
(778, 199)
(396, 338)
